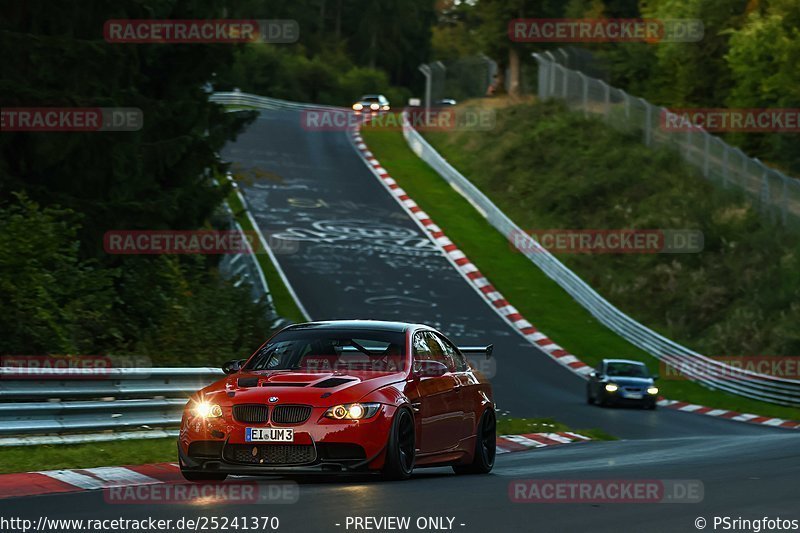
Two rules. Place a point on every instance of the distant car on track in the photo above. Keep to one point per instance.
(444, 102)
(350, 394)
(372, 103)
(620, 381)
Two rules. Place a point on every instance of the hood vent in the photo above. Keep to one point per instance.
(282, 384)
(247, 382)
(332, 382)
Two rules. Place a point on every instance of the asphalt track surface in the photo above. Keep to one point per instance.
(350, 251)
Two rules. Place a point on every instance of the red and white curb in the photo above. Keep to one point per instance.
(508, 312)
(107, 477)
(728, 415)
(104, 477)
(468, 270)
(527, 441)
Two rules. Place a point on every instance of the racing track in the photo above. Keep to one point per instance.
(360, 256)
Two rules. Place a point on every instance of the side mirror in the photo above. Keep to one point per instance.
(232, 367)
(593, 374)
(430, 369)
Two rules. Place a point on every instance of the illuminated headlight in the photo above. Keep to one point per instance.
(385, 108)
(374, 107)
(353, 411)
(207, 410)
(611, 387)
(652, 390)
(358, 107)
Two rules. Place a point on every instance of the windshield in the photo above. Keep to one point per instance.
(328, 351)
(628, 370)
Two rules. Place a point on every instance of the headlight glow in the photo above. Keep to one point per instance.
(611, 387)
(374, 107)
(353, 411)
(207, 410)
(358, 107)
(652, 390)
(385, 108)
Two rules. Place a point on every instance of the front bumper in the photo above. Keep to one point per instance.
(218, 445)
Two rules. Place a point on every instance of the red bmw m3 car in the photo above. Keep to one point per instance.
(343, 395)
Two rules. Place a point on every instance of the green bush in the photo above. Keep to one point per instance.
(177, 310)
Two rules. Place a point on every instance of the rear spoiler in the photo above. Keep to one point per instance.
(488, 349)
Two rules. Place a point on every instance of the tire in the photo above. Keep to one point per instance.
(202, 476)
(485, 446)
(651, 406)
(401, 447)
(589, 399)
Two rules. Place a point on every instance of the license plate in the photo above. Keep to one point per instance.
(634, 396)
(269, 435)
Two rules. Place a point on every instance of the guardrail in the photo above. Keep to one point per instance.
(119, 399)
(694, 366)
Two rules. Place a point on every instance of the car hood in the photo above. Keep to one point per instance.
(320, 389)
(629, 381)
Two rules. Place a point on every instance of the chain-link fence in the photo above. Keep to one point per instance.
(462, 79)
(776, 195)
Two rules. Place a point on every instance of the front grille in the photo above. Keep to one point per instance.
(291, 414)
(271, 454)
(252, 412)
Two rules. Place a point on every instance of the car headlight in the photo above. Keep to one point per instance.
(207, 410)
(385, 108)
(358, 107)
(611, 387)
(374, 107)
(353, 411)
(652, 390)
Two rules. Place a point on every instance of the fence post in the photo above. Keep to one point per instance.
(725, 169)
(706, 140)
(648, 121)
(764, 197)
(627, 100)
(785, 203)
(585, 102)
(552, 88)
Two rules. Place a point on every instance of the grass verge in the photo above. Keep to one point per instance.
(114, 453)
(537, 297)
(281, 297)
(521, 426)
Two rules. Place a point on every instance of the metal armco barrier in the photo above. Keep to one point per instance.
(119, 399)
(712, 374)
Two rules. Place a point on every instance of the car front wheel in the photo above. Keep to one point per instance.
(401, 448)
(485, 447)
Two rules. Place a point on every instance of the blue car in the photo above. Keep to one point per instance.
(621, 382)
